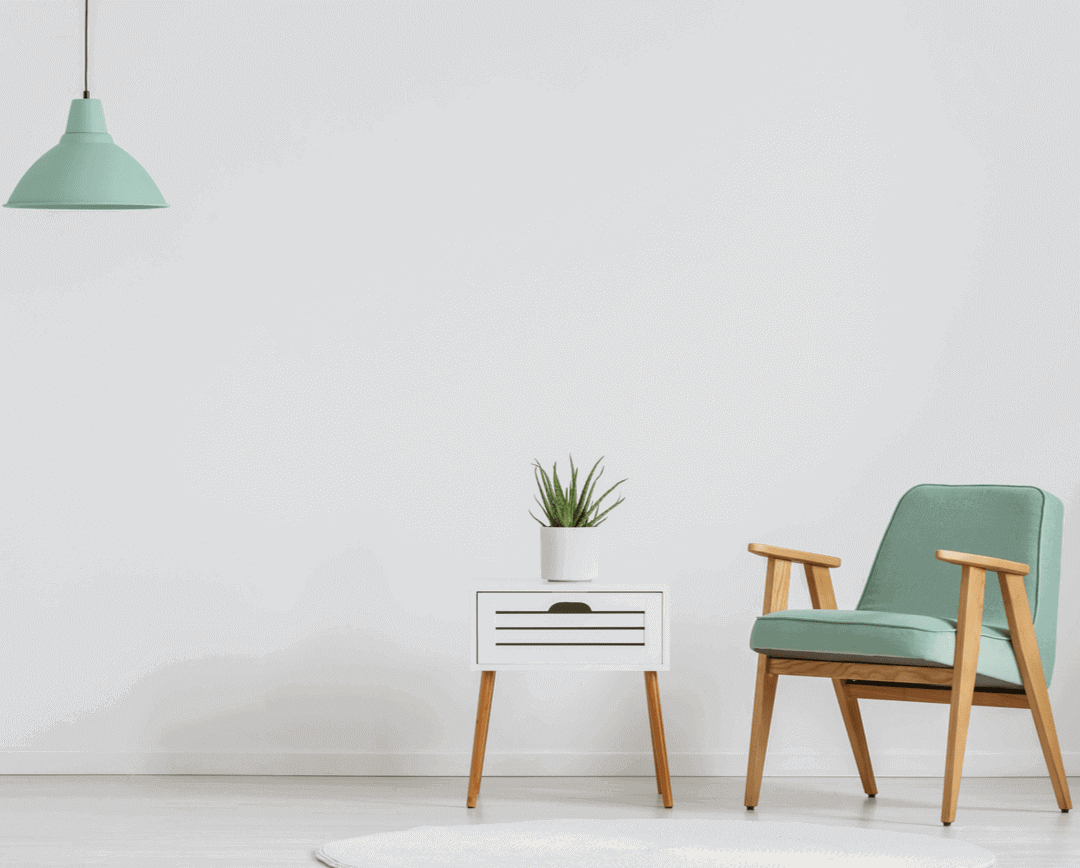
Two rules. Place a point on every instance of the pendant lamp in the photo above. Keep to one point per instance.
(86, 171)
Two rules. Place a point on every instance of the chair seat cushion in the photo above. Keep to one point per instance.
(869, 636)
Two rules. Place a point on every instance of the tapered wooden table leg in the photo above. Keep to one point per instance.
(652, 734)
(656, 724)
(483, 713)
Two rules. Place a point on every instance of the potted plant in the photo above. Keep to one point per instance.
(569, 544)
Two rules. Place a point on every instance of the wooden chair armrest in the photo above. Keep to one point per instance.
(796, 556)
(778, 571)
(981, 562)
(970, 613)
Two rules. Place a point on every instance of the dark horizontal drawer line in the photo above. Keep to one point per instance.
(569, 628)
(594, 612)
(590, 644)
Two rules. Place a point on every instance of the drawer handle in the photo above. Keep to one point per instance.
(557, 608)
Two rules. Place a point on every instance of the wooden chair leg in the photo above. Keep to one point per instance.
(483, 713)
(1026, 646)
(764, 695)
(959, 715)
(968, 628)
(656, 720)
(1039, 700)
(849, 708)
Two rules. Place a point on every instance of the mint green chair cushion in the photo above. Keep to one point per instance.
(907, 612)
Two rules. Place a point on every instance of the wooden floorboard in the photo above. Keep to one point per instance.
(154, 821)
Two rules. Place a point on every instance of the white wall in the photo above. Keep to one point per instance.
(777, 261)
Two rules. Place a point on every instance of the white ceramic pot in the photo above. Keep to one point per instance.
(569, 554)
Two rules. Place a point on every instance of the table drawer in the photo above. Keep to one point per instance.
(604, 629)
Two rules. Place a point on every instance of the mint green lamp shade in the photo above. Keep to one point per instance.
(86, 171)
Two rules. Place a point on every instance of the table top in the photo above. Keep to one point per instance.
(562, 587)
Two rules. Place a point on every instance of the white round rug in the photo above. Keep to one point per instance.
(650, 844)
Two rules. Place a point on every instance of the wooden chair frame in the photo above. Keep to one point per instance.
(956, 686)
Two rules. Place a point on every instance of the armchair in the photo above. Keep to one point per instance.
(924, 631)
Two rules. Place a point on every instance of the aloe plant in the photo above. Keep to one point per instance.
(572, 507)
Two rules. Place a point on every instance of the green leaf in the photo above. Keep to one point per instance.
(606, 493)
(547, 512)
(596, 506)
(572, 506)
(540, 485)
(571, 498)
(560, 499)
(583, 507)
(549, 496)
(592, 506)
(600, 518)
(552, 495)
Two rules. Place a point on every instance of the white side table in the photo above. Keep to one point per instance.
(586, 626)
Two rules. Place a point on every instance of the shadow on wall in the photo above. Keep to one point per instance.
(342, 688)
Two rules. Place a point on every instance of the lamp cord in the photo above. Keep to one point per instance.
(86, 49)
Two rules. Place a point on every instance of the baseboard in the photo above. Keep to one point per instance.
(928, 764)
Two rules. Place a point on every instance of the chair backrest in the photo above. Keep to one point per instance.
(1014, 522)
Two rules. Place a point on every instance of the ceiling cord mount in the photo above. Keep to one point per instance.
(86, 49)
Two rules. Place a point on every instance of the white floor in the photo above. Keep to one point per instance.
(157, 820)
